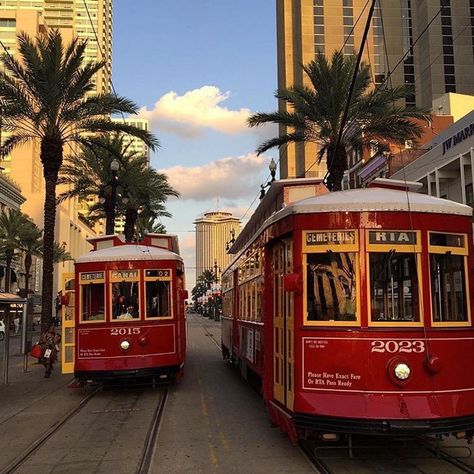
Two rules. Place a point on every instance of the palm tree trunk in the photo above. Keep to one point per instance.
(131, 216)
(28, 262)
(51, 158)
(336, 168)
(8, 271)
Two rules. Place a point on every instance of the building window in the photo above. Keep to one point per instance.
(318, 7)
(469, 195)
(408, 63)
(348, 22)
(447, 41)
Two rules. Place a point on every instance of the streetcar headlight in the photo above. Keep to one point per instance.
(402, 371)
(124, 345)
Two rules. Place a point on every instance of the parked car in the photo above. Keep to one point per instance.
(2, 330)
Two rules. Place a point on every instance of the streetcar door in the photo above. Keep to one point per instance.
(283, 325)
(68, 342)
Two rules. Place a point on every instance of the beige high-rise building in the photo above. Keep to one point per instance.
(441, 61)
(23, 166)
(213, 231)
(136, 145)
(90, 20)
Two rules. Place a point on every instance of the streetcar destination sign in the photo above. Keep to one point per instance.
(124, 274)
(392, 237)
(92, 276)
(331, 238)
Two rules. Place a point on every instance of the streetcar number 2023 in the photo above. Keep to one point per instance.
(124, 331)
(398, 346)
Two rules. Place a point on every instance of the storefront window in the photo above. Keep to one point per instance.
(394, 287)
(331, 286)
(158, 299)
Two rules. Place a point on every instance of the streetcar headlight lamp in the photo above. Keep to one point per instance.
(125, 345)
(402, 371)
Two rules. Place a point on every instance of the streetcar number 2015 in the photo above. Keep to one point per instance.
(124, 331)
(398, 346)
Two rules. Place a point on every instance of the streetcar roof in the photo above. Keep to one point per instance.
(376, 199)
(126, 252)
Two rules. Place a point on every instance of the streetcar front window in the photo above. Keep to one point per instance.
(158, 299)
(448, 287)
(331, 286)
(125, 300)
(394, 287)
(93, 302)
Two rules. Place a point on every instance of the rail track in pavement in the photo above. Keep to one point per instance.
(66, 424)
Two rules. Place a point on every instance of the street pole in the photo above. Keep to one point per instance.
(6, 347)
(24, 332)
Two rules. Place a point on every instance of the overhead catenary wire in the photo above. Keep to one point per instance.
(390, 72)
(106, 63)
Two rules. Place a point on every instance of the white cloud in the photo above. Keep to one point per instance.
(189, 114)
(230, 178)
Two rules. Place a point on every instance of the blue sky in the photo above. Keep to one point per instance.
(198, 69)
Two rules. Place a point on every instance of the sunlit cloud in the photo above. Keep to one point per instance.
(229, 178)
(190, 114)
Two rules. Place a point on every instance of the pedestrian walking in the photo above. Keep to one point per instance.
(49, 342)
(16, 323)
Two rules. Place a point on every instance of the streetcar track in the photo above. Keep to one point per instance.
(34, 402)
(317, 463)
(211, 337)
(308, 450)
(440, 453)
(152, 436)
(30, 450)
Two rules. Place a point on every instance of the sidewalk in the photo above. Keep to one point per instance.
(30, 404)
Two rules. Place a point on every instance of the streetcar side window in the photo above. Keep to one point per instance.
(93, 302)
(158, 299)
(448, 278)
(394, 268)
(125, 300)
(394, 287)
(331, 286)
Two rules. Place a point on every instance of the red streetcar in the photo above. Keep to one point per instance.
(352, 310)
(129, 309)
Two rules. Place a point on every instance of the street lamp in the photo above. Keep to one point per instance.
(272, 167)
(230, 242)
(108, 196)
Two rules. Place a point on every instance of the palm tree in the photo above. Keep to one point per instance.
(31, 246)
(147, 191)
(148, 225)
(45, 96)
(60, 254)
(314, 114)
(144, 189)
(13, 226)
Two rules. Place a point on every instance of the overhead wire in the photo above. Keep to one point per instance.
(106, 63)
(390, 73)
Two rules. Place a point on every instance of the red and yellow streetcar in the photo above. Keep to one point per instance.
(352, 310)
(129, 309)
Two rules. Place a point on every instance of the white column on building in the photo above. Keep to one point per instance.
(472, 165)
(463, 179)
(438, 192)
(428, 181)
